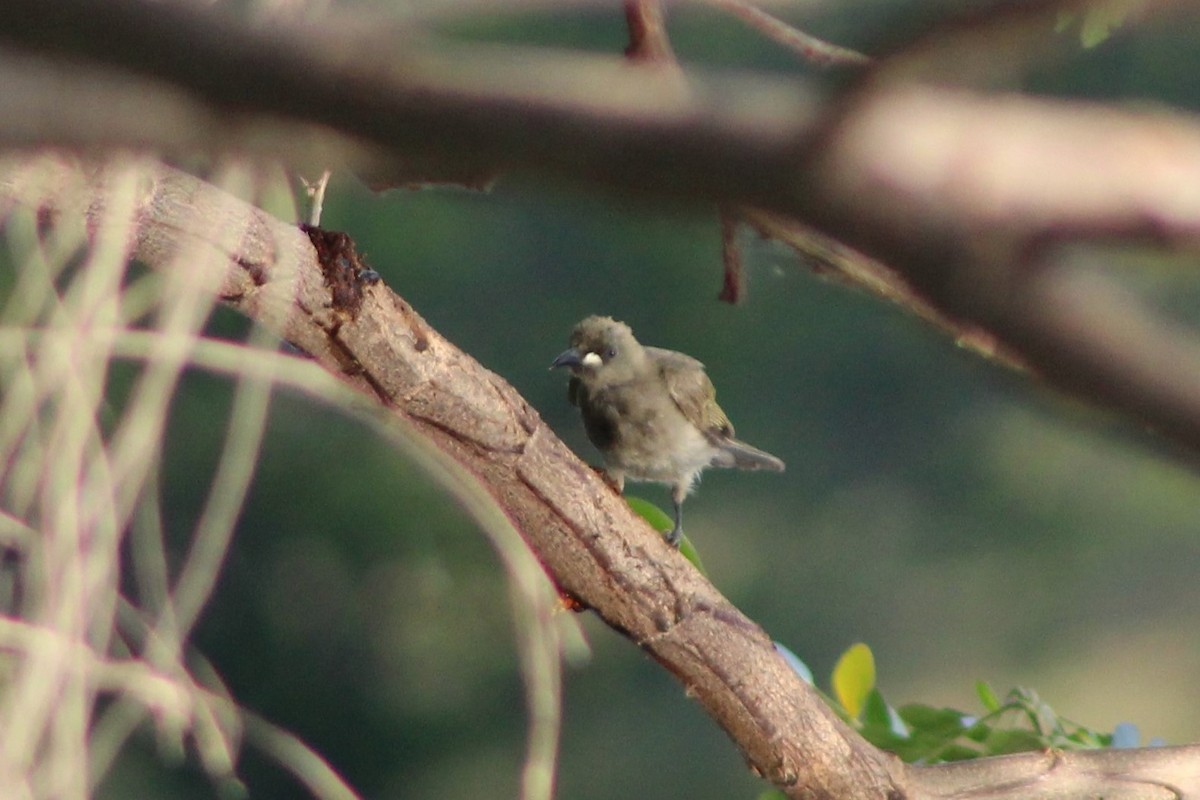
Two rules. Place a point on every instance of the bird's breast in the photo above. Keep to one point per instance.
(645, 437)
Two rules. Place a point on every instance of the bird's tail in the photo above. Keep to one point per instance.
(738, 454)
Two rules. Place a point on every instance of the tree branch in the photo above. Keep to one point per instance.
(957, 193)
(809, 47)
(647, 32)
(591, 544)
(974, 201)
(589, 541)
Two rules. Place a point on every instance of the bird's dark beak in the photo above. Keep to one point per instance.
(568, 358)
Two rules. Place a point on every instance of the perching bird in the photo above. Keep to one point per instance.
(652, 413)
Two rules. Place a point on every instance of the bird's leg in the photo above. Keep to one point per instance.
(676, 534)
(614, 478)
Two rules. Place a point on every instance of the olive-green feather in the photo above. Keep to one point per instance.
(693, 392)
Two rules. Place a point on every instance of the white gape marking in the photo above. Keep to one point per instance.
(592, 360)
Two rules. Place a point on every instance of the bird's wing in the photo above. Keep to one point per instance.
(692, 391)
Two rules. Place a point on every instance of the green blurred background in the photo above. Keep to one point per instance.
(964, 522)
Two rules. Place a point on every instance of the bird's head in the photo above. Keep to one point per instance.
(602, 351)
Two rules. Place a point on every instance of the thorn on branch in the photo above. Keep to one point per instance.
(316, 193)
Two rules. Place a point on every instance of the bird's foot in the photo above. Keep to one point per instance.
(675, 536)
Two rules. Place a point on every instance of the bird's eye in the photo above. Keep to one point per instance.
(612, 351)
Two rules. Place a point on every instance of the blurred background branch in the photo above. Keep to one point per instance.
(955, 192)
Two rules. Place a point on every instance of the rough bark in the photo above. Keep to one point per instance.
(590, 543)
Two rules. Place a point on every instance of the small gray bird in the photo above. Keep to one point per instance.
(652, 413)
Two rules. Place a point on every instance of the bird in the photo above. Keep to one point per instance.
(652, 413)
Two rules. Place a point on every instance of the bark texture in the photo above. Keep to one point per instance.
(590, 543)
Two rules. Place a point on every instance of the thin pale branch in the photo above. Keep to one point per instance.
(733, 285)
(834, 260)
(811, 48)
(315, 191)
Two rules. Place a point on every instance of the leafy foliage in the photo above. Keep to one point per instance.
(1098, 22)
(925, 734)
(854, 679)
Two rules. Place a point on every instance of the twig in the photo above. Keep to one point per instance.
(647, 32)
(316, 194)
(813, 49)
(733, 283)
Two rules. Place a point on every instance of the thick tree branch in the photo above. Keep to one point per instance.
(959, 194)
(584, 533)
(472, 106)
(590, 542)
(978, 213)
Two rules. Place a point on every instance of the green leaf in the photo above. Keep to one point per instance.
(854, 678)
(1086, 739)
(927, 718)
(658, 519)
(1022, 722)
(1099, 20)
(662, 522)
(875, 709)
(691, 554)
(987, 696)
(886, 739)
(978, 731)
(956, 752)
(1013, 741)
(1103, 18)
(879, 716)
